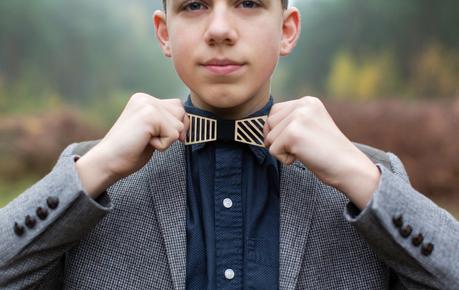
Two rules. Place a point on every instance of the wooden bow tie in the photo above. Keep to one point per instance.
(248, 131)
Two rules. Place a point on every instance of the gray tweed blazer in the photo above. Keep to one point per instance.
(134, 236)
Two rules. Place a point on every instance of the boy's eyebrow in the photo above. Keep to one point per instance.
(180, 1)
(175, 4)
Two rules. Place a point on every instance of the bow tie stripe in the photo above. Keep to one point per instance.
(250, 131)
(203, 129)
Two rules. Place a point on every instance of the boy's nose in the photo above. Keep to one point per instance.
(220, 28)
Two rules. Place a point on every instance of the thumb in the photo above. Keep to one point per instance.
(286, 158)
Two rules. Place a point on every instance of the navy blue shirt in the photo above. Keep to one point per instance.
(232, 214)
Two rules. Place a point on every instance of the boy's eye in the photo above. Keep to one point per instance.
(193, 6)
(249, 4)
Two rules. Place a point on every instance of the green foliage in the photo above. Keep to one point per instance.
(435, 72)
(103, 112)
(79, 51)
(97, 53)
(367, 29)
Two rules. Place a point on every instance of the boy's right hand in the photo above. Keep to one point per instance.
(145, 125)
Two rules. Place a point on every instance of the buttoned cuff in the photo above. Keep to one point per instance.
(56, 208)
(409, 231)
(398, 208)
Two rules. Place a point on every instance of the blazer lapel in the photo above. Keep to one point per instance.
(168, 189)
(297, 204)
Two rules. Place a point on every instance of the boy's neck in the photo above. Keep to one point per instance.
(240, 111)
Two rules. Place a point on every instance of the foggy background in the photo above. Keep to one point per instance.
(388, 72)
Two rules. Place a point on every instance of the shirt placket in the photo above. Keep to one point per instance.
(228, 217)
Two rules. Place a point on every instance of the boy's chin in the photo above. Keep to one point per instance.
(230, 100)
(223, 101)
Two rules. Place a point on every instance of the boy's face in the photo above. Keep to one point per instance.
(225, 51)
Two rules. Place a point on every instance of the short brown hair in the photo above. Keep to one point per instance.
(284, 4)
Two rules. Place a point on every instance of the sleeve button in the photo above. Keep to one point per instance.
(417, 240)
(18, 229)
(42, 213)
(52, 202)
(405, 231)
(397, 221)
(30, 222)
(427, 249)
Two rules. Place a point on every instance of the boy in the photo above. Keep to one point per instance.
(140, 210)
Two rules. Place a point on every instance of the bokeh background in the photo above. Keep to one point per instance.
(388, 72)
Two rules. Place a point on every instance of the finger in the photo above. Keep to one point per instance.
(160, 144)
(168, 135)
(276, 131)
(175, 101)
(142, 97)
(266, 130)
(280, 107)
(172, 120)
(176, 109)
(186, 127)
(270, 124)
(167, 131)
(274, 120)
(174, 106)
(279, 150)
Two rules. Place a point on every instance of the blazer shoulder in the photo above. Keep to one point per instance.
(83, 147)
(375, 155)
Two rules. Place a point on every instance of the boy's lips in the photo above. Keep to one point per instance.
(222, 66)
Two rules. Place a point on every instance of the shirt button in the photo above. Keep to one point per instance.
(227, 203)
(229, 274)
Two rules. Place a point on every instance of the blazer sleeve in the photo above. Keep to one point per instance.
(415, 237)
(33, 241)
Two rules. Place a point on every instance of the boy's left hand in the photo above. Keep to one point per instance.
(303, 130)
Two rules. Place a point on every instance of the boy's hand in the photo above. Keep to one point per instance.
(303, 130)
(145, 125)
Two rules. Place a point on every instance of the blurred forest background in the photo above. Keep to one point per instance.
(388, 72)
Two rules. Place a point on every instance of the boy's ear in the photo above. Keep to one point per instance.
(291, 29)
(159, 20)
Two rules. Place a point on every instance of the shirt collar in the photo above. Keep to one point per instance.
(259, 152)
